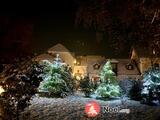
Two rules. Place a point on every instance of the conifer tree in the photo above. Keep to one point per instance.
(151, 86)
(57, 78)
(109, 85)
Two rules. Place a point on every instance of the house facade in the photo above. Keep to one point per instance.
(144, 58)
(91, 65)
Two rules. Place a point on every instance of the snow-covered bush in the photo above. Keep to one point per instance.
(151, 86)
(87, 86)
(135, 91)
(20, 82)
(126, 86)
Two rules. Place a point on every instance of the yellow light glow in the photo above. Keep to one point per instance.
(78, 77)
(75, 61)
(1, 90)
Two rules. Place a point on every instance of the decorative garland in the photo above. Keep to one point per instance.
(129, 66)
(96, 66)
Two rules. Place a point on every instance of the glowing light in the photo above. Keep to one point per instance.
(78, 77)
(75, 61)
(1, 90)
(154, 52)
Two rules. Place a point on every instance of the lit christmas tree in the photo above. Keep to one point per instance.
(109, 85)
(57, 78)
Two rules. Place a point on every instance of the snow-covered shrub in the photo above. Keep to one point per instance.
(151, 86)
(126, 85)
(135, 91)
(20, 82)
(87, 86)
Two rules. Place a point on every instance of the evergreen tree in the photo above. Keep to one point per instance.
(151, 86)
(57, 78)
(109, 85)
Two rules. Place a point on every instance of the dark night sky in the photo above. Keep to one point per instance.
(58, 25)
(53, 23)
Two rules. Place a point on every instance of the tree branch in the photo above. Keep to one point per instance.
(155, 15)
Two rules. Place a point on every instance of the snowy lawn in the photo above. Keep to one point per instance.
(72, 108)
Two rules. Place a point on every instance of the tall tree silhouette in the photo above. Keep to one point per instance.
(124, 21)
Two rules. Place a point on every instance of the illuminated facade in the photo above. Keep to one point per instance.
(90, 64)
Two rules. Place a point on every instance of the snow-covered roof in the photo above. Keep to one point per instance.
(43, 57)
(58, 48)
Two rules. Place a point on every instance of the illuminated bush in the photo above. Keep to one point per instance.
(151, 86)
(57, 79)
(109, 85)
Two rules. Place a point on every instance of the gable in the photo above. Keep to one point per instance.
(58, 48)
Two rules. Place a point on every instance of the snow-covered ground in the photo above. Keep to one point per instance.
(72, 108)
